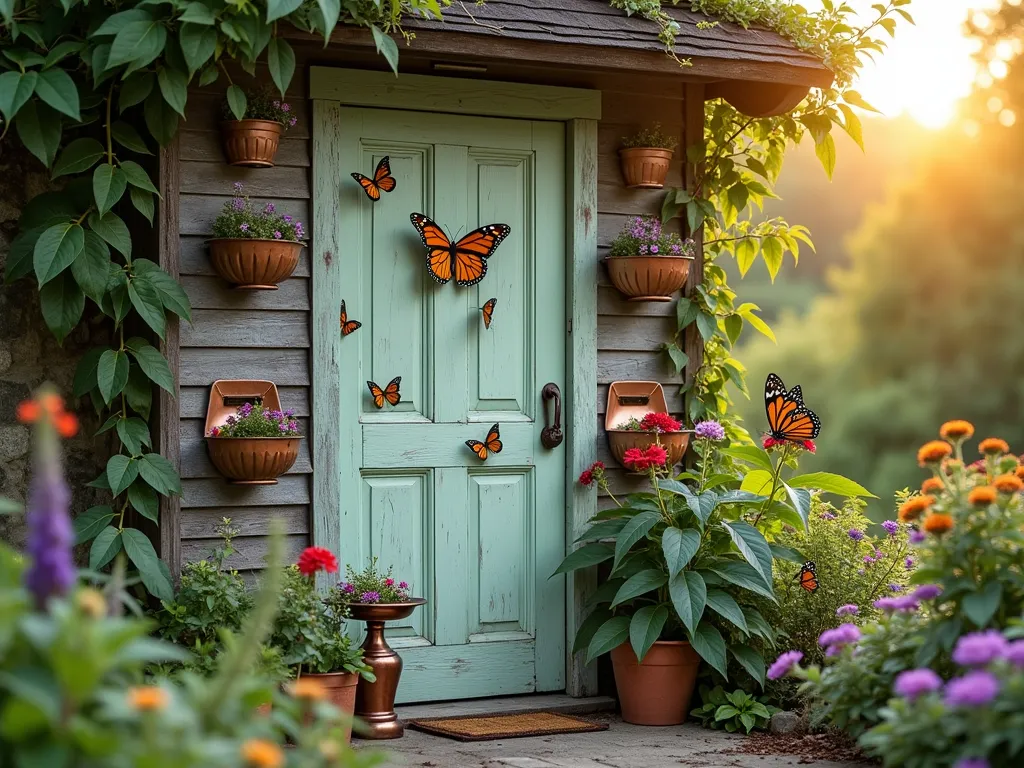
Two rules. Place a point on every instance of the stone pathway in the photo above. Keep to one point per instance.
(621, 746)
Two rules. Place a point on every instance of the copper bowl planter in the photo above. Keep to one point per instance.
(674, 443)
(253, 460)
(253, 264)
(645, 167)
(648, 278)
(375, 702)
(251, 143)
(657, 690)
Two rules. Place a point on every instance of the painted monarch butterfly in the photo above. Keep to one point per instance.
(348, 326)
(491, 445)
(488, 311)
(808, 577)
(389, 393)
(382, 180)
(788, 417)
(466, 258)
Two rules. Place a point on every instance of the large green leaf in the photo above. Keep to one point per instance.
(121, 472)
(112, 229)
(61, 302)
(118, 21)
(139, 392)
(742, 575)
(55, 249)
(609, 635)
(277, 9)
(152, 363)
(80, 155)
(589, 627)
(758, 481)
(135, 89)
(707, 641)
(585, 556)
(679, 547)
(800, 498)
(104, 548)
(139, 42)
(198, 44)
(128, 137)
(85, 372)
(281, 62)
(161, 119)
(237, 101)
(134, 434)
(750, 660)
(753, 546)
(140, 551)
(171, 293)
(143, 202)
(330, 10)
(174, 84)
(92, 267)
(88, 524)
(137, 176)
(605, 529)
(144, 500)
(722, 603)
(639, 584)
(386, 47)
(634, 530)
(159, 473)
(828, 482)
(108, 186)
(645, 628)
(689, 597)
(981, 606)
(57, 89)
(148, 304)
(111, 373)
(16, 89)
(20, 255)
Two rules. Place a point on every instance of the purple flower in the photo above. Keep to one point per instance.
(905, 604)
(237, 203)
(972, 762)
(861, 571)
(710, 430)
(232, 420)
(282, 427)
(277, 234)
(237, 187)
(891, 526)
(348, 588)
(847, 610)
(643, 250)
(654, 248)
(842, 635)
(50, 535)
(975, 689)
(245, 409)
(269, 208)
(676, 249)
(979, 648)
(855, 534)
(287, 218)
(292, 122)
(275, 415)
(895, 587)
(784, 664)
(917, 537)
(827, 516)
(277, 103)
(370, 597)
(286, 107)
(868, 560)
(403, 585)
(293, 426)
(916, 682)
(1015, 653)
(244, 227)
(909, 563)
(927, 591)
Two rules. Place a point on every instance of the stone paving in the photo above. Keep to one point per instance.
(621, 746)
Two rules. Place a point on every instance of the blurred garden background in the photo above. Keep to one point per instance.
(910, 311)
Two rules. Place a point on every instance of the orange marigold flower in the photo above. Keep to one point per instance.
(982, 496)
(933, 452)
(260, 753)
(932, 485)
(66, 424)
(147, 698)
(1019, 472)
(29, 411)
(958, 429)
(914, 507)
(308, 688)
(1008, 484)
(52, 404)
(993, 446)
(938, 523)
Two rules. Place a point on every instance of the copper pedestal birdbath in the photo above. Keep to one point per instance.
(375, 702)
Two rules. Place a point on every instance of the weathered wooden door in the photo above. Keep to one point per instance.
(478, 539)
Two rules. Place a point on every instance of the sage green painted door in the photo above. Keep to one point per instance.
(478, 539)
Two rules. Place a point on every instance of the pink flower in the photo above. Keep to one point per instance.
(389, 582)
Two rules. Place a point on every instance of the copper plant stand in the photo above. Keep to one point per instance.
(375, 702)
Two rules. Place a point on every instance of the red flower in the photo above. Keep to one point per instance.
(809, 445)
(586, 477)
(656, 456)
(659, 422)
(592, 474)
(215, 432)
(634, 458)
(770, 442)
(315, 559)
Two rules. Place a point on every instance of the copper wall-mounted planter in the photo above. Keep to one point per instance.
(635, 399)
(645, 167)
(252, 264)
(648, 278)
(251, 143)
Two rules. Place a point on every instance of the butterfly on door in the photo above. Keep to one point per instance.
(808, 577)
(382, 180)
(389, 394)
(465, 259)
(491, 445)
(788, 417)
(488, 312)
(348, 326)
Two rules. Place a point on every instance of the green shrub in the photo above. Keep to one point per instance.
(732, 711)
(650, 137)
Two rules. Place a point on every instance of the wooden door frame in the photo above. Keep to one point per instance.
(579, 109)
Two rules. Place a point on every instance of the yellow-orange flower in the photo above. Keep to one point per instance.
(914, 507)
(982, 496)
(950, 465)
(147, 698)
(309, 689)
(938, 523)
(958, 429)
(1019, 472)
(91, 602)
(932, 485)
(1008, 484)
(933, 452)
(260, 753)
(993, 446)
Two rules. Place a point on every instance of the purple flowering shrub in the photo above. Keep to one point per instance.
(645, 236)
(370, 585)
(264, 104)
(257, 421)
(242, 218)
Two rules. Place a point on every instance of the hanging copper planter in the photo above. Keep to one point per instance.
(253, 264)
(645, 167)
(633, 400)
(648, 278)
(251, 143)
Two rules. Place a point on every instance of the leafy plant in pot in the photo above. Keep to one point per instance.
(635, 436)
(253, 125)
(256, 445)
(647, 262)
(645, 157)
(254, 248)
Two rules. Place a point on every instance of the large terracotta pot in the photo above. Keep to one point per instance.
(341, 692)
(253, 460)
(674, 443)
(253, 264)
(648, 278)
(645, 167)
(251, 143)
(658, 690)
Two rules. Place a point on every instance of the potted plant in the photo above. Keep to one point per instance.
(645, 157)
(647, 262)
(255, 446)
(252, 126)
(254, 248)
(635, 436)
(376, 597)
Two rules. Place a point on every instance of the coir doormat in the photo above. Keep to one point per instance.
(490, 727)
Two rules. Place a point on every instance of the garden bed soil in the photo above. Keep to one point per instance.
(813, 747)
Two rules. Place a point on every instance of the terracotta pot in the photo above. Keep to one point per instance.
(645, 167)
(648, 278)
(253, 460)
(253, 264)
(674, 443)
(658, 690)
(341, 692)
(251, 143)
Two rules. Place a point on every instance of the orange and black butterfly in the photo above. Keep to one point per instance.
(390, 393)
(788, 417)
(466, 259)
(491, 445)
(382, 180)
(808, 577)
(348, 326)
(488, 311)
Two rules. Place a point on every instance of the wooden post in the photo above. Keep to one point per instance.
(693, 133)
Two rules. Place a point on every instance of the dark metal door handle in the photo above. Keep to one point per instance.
(551, 436)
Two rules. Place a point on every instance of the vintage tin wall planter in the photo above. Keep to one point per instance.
(252, 264)
(635, 399)
(648, 278)
(251, 143)
(645, 167)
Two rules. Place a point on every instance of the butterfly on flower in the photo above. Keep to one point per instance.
(348, 326)
(382, 180)
(488, 312)
(465, 259)
(389, 394)
(788, 417)
(491, 445)
(808, 577)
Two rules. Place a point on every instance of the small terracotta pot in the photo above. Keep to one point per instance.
(656, 691)
(253, 460)
(645, 167)
(251, 143)
(648, 278)
(253, 264)
(674, 443)
(341, 692)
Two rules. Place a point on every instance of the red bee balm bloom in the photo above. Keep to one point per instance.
(659, 422)
(656, 455)
(592, 474)
(634, 458)
(315, 559)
